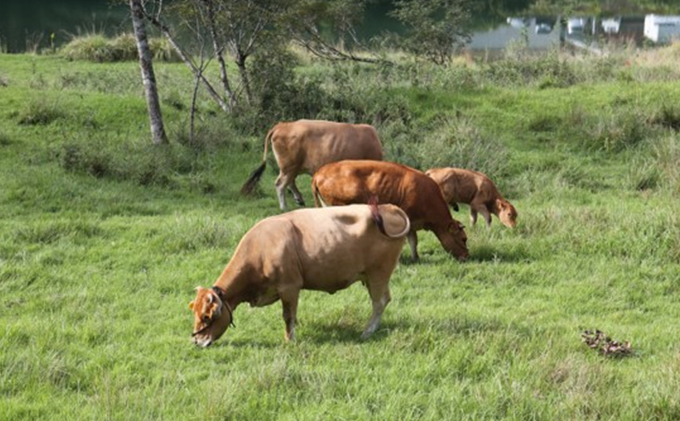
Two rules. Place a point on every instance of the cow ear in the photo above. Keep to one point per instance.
(191, 305)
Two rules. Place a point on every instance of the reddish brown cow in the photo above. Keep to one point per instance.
(345, 182)
(319, 249)
(477, 190)
(304, 146)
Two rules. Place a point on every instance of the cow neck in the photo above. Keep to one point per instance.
(233, 285)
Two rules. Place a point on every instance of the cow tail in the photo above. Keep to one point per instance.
(318, 200)
(255, 176)
(375, 214)
(378, 219)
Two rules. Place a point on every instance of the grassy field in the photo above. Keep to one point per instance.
(104, 238)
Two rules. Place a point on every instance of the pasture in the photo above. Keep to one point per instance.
(103, 239)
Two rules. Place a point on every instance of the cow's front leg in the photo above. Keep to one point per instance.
(290, 303)
(379, 290)
(296, 194)
(413, 243)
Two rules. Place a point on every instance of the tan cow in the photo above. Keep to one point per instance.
(477, 190)
(355, 181)
(319, 249)
(304, 146)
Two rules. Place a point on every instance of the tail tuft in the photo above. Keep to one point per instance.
(253, 179)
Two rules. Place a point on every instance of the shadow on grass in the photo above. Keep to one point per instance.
(343, 333)
(492, 254)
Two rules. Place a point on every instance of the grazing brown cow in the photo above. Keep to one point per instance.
(477, 190)
(304, 146)
(319, 249)
(345, 182)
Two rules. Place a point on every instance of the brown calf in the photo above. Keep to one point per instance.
(477, 190)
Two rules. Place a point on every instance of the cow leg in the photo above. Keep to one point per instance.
(486, 214)
(281, 184)
(473, 216)
(379, 290)
(290, 303)
(296, 194)
(413, 243)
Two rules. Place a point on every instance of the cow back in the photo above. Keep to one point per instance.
(307, 145)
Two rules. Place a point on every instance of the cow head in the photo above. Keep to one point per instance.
(506, 213)
(212, 316)
(455, 240)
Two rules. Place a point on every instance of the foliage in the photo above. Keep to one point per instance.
(435, 29)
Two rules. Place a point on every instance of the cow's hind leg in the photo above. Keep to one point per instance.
(296, 194)
(485, 214)
(281, 183)
(413, 243)
(290, 303)
(379, 290)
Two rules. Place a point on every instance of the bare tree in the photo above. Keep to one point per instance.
(148, 77)
(342, 16)
(210, 17)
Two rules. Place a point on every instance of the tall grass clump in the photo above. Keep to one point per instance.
(101, 49)
(459, 142)
(40, 112)
(665, 154)
(519, 67)
(137, 161)
(94, 47)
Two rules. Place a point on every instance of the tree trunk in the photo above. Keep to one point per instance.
(218, 54)
(198, 73)
(241, 64)
(148, 76)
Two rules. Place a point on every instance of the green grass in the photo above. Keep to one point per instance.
(97, 268)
